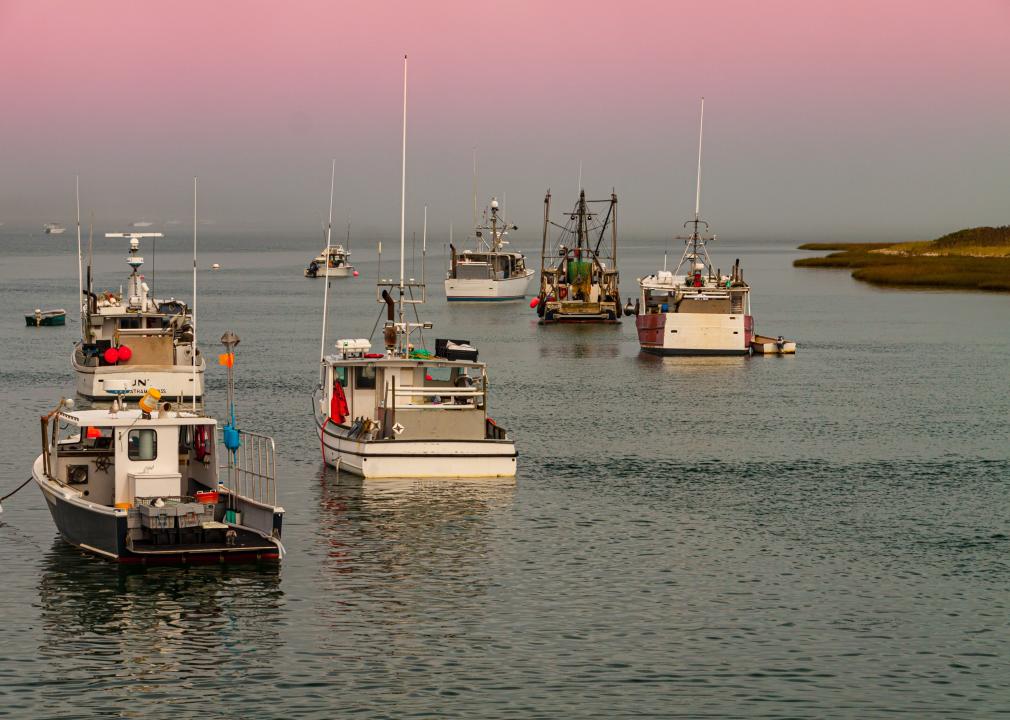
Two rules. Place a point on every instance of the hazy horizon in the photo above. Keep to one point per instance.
(823, 121)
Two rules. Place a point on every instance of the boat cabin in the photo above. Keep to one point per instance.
(665, 292)
(467, 265)
(387, 397)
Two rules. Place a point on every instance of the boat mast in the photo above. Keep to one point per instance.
(192, 353)
(475, 188)
(80, 270)
(403, 204)
(326, 261)
(697, 186)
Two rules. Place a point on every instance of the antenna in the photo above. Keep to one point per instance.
(424, 241)
(193, 349)
(326, 262)
(580, 175)
(403, 188)
(80, 270)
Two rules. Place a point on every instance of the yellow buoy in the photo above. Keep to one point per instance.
(150, 400)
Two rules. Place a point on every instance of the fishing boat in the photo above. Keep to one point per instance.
(407, 412)
(488, 272)
(45, 318)
(338, 265)
(694, 309)
(579, 279)
(53, 229)
(160, 483)
(132, 341)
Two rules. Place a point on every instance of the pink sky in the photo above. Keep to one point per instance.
(805, 98)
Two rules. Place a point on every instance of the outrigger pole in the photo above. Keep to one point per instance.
(80, 270)
(326, 261)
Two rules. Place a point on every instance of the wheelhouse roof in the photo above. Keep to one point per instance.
(404, 362)
(134, 418)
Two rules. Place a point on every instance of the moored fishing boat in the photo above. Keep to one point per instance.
(694, 309)
(44, 318)
(132, 341)
(488, 272)
(333, 262)
(576, 283)
(144, 485)
(53, 229)
(407, 412)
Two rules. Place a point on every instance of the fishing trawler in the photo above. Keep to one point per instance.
(406, 412)
(576, 283)
(132, 341)
(694, 309)
(487, 273)
(153, 485)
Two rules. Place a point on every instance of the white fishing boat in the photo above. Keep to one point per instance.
(53, 229)
(154, 485)
(132, 341)
(405, 412)
(695, 309)
(579, 278)
(332, 263)
(488, 272)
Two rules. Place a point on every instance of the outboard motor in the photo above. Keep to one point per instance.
(629, 309)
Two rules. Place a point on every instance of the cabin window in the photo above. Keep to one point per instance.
(438, 375)
(130, 323)
(142, 444)
(340, 373)
(364, 378)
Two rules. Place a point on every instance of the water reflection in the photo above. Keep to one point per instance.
(126, 629)
(394, 545)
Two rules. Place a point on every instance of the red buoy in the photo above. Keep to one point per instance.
(355, 273)
(534, 302)
(111, 356)
(125, 353)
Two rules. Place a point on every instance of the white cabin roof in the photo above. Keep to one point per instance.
(134, 418)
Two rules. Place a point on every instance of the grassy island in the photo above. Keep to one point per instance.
(970, 259)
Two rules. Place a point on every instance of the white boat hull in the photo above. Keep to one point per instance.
(334, 272)
(487, 290)
(175, 384)
(417, 458)
(695, 333)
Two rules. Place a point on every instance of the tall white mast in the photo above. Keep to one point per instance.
(80, 270)
(326, 261)
(697, 191)
(193, 349)
(403, 191)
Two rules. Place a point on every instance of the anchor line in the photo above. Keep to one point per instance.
(15, 490)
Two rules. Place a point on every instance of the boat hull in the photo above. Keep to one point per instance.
(694, 333)
(416, 458)
(104, 532)
(469, 290)
(336, 272)
(176, 384)
(50, 321)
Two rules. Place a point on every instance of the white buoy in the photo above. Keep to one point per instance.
(215, 266)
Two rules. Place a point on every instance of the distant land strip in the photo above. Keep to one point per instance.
(971, 259)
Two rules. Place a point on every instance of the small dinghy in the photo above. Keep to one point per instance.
(42, 318)
(764, 345)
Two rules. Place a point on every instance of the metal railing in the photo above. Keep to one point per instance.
(252, 471)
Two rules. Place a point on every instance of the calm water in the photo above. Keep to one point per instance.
(824, 535)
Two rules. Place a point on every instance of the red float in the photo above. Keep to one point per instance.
(534, 302)
(111, 356)
(125, 353)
